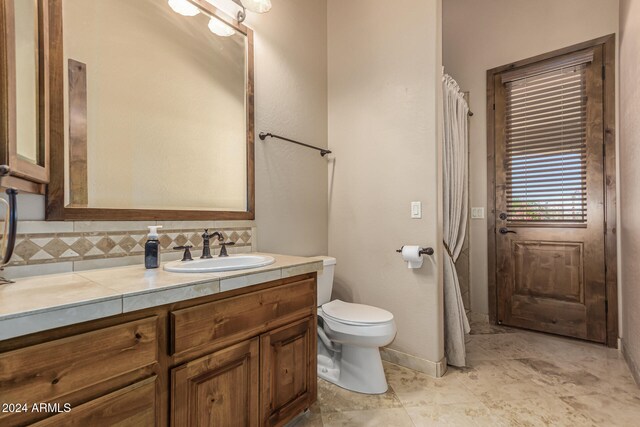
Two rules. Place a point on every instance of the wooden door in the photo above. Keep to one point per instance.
(288, 371)
(221, 389)
(550, 231)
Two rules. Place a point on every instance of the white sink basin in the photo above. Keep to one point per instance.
(211, 265)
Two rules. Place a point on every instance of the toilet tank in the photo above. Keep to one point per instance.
(325, 280)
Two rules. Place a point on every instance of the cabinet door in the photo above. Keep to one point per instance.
(132, 406)
(220, 389)
(288, 371)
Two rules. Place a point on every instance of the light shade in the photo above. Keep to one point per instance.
(219, 28)
(257, 6)
(183, 7)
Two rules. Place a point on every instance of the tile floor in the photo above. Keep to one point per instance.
(514, 378)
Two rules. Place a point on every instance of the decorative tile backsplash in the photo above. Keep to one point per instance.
(55, 247)
(77, 246)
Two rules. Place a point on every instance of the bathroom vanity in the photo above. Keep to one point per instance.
(132, 347)
(126, 346)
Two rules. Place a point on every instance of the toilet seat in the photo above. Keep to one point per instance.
(355, 314)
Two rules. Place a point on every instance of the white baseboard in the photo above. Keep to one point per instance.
(434, 369)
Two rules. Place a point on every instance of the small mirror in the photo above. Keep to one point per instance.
(158, 109)
(26, 74)
(24, 109)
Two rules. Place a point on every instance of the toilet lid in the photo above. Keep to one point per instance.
(356, 314)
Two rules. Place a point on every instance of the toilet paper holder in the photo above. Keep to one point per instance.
(424, 251)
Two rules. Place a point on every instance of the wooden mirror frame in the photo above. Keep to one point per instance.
(24, 176)
(55, 204)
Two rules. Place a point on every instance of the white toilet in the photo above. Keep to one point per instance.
(349, 339)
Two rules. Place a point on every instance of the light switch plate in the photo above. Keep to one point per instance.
(416, 210)
(477, 213)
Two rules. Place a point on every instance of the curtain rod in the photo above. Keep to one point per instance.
(265, 135)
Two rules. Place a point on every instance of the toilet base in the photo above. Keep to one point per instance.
(353, 368)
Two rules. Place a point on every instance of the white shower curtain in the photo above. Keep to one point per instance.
(456, 158)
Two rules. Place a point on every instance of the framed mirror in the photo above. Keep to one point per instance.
(151, 111)
(24, 113)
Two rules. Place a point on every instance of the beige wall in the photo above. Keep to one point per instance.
(291, 99)
(629, 178)
(384, 75)
(480, 35)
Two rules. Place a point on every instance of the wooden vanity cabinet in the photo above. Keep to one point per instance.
(241, 358)
(266, 379)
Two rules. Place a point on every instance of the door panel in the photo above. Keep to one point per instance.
(550, 196)
(288, 371)
(218, 389)
(550, 270)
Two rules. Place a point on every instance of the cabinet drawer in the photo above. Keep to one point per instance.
(241, 317)
(47, 372)
(133, 406)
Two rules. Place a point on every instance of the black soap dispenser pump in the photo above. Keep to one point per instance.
(152, 248)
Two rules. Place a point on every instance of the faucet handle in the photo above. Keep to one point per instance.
(187, 253)
(223, 249)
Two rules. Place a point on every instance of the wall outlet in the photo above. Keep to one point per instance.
(477, 213)
(416, 210)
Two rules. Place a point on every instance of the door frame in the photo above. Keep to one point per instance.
(609, 149)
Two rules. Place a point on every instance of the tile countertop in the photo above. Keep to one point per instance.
(39, 303)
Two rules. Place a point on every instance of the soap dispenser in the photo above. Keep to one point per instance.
(152, 248)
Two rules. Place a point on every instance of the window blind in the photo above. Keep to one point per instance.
(577, 58)
(546, 145)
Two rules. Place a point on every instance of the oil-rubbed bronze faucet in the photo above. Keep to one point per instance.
(206, 246)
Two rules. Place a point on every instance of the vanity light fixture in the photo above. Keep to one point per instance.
(219, 28)
(216, 26)
(256, 6)
(184, 7)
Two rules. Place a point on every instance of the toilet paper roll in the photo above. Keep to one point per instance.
(411, 254)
